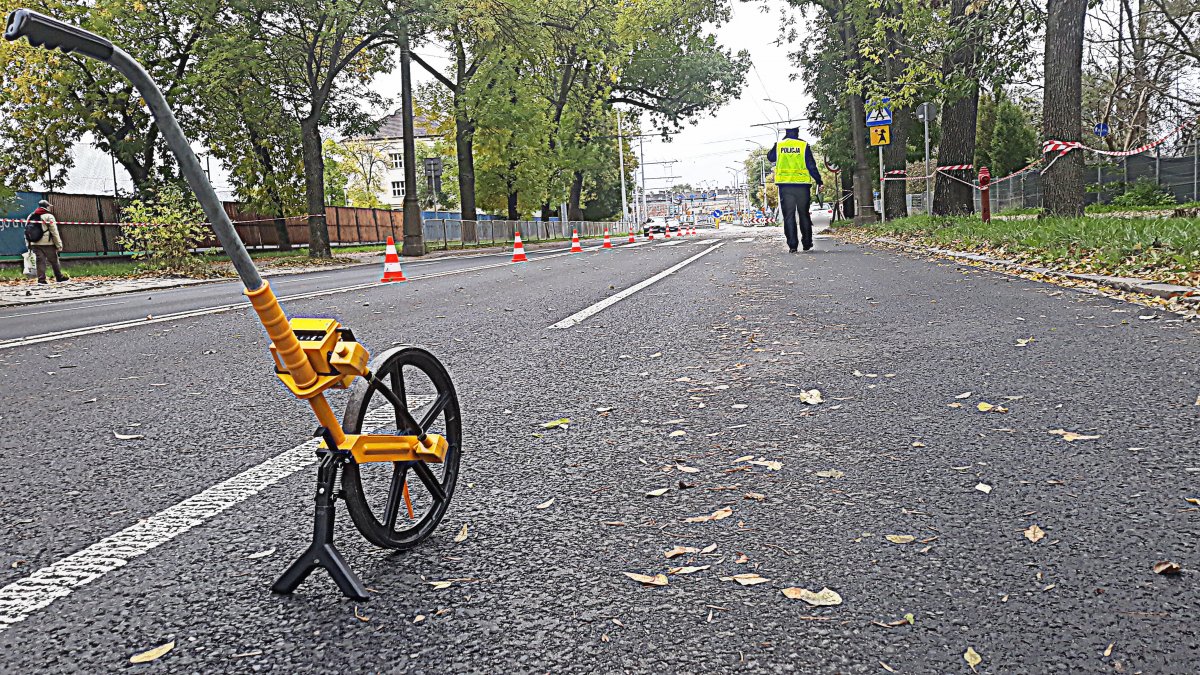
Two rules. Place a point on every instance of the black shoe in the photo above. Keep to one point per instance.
(808, 247)
(43, 282)
(62, 278)
(791, 250)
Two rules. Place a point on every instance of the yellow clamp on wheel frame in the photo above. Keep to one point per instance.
(313, 355)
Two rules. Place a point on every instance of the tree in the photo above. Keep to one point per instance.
(1014, 141)
(364, 165)
(335, 178)
(320, 57)
(49, 100)
(1062, 180)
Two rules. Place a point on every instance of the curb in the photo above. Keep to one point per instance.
(1188, 294)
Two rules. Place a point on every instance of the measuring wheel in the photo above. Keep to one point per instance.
(397, 505)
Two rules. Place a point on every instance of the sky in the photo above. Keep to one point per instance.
(701, 152)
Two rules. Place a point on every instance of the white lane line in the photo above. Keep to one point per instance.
(578, 317)
(634, 244)
(65, 309)
(671, 243)
(108, 327)
(25, 596)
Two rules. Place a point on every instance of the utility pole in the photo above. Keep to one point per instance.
(925, 111)
(621, 156)
(414, 241)
(642, 160)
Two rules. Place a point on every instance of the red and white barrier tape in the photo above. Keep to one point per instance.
(1063, 147)
(123, 224)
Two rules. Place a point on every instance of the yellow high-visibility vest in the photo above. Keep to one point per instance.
(790, 166)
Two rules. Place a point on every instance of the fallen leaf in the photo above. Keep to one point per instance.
(887, 667)
(1167, 567)
(743, 458)
(984, 406)
(152, 654)
(1024, 342)
(562, 421)
(918, 444)
(546, 504)
(747, 579)
(756, 496)
(719, 514)
(687, 570)
(647, 580)
(655, 355)
(823, 598)
(743, 406)
(1034, 533)
(603, 410)
(418, 618)
(677, 433)
(361, 617)
(1071, 435)
(127, 437)
(686, 469)
(742, 559)
(708, 549)
(972, 658)
(965, 394)
(462, 535)
(954, 405)
(830, 473)
(811, 397)
(1192, 500)
(440, 585)
(899, 538)
(680, 550)
(769, 464)
(984, 488)
(1108, 652)
(658, 493)
(260, 554)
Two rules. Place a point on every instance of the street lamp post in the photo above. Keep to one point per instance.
(925, 112)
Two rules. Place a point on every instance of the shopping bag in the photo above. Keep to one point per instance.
(30, 263)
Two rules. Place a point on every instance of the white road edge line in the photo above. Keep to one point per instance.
(25, 596)
(580, 316)
(178, 316)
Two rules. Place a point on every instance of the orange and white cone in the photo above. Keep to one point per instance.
(575, 247)
(391, 264)
(607, 241)
(632, 240)
(518, 249)
(693, 229)
(666, 231)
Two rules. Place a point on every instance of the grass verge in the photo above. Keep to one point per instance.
(1162, 249)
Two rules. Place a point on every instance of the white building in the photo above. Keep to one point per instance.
(389, 141)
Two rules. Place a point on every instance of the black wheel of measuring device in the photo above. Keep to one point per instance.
(374, 491)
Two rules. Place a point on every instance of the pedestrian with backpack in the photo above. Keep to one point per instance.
(41, 231)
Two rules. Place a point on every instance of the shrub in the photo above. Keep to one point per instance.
(1144, 193)
(173, 225)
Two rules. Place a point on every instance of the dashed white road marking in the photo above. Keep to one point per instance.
(64, 309)
(25, 596)
(580, 316)
(671, 243)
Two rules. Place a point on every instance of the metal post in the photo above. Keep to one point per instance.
(414, 242)
(985, 202)
(1195, 165)
(882, 203)
(928, 186)
(642, 166)
(1099, 183)
(1157, 157)
(621, 159)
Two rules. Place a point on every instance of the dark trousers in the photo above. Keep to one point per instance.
(794, 199)
(47, 255)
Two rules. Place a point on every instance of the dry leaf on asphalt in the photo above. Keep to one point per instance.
(152, 654)
(658, 493)
(680, 550)
(546, 504)
(887, 667)
(771, 465)
(1167, 567)
(719, 514)
(462, 535)
(954, 405)
(743, 458)
(811, 396)
(918, 444)
(1108, 652)
(603, 410)
(677, 433)
(1195, 501)
(647, 580)
(127, 437)
(708, 549)
(984, 406)
(747, 579)
(823, 598)
(900, 538)
(756, 496)
(687, 570)
(972, 658)
(560, 422)
(830, 473)
(984, 488)
(1072, 436)
(1034, 533)
(686, 469)
(965, 394)
(440, 585)
(1024, 342)
(742, 559)
(260, 554)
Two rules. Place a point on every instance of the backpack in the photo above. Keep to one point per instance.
(33, 229)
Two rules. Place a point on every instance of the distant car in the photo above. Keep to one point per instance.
(658, 226)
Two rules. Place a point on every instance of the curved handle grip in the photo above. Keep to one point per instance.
(42, 31)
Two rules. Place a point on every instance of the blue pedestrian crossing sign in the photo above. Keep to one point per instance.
(1101, 129)
(718, 213)
(881, 117)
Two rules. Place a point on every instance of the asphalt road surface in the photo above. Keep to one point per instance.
(897, 492)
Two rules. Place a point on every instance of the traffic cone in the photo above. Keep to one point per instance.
(607, 241)
(575, 247)
(391, 264)
(666, 231)
(632, 240)
(693, 229)
(518, 249)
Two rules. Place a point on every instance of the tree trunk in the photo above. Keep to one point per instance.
(1062, 182)
(513, 212)
(863, 197)
(464, 140)
(895, 156)
(959, 121)
(573, 210)
(846, 190)
(314, 188)
(281, 232)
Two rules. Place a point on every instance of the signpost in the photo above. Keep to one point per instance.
(926, 112)
(880, 131)
(433, 176)
(1101, 129)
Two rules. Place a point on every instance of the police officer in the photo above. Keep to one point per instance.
(795, 173)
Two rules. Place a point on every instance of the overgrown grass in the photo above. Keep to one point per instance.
(1020, 211)
(1166, 249)
(1112, 208)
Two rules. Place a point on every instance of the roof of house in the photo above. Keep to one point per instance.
(392, 126)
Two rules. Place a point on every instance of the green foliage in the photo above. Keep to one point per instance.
(336, 179)
(1144, 192)
(170, 227)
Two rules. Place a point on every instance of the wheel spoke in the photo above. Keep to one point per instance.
(397, 380)
(395, 495)
(431, 482)
(435, 411)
